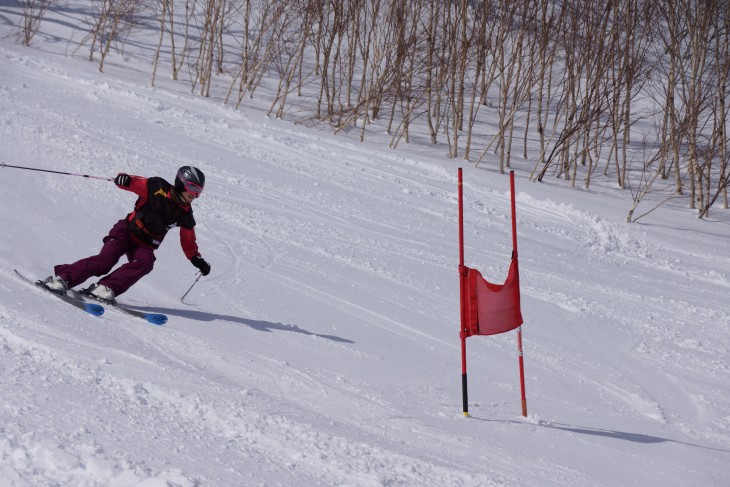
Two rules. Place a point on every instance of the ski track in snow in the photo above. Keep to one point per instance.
(323, 349)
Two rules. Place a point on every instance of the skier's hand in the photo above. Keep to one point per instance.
(201, 264)
(123, 180)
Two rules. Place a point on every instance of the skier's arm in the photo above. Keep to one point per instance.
(187, 241)
(135, 184)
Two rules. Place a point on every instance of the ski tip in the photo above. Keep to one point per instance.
(94, 309)
(156, 319)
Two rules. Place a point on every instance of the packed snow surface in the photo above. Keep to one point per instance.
(323, 348)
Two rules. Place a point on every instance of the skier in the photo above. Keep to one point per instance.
(159, 207)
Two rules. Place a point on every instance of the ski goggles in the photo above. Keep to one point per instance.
(192, 188)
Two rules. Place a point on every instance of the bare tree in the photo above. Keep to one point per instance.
(295, 29)
(113, 21)
(164, 11)
(33, 12)
(482, 46)
(645, 186)
(258, 46)
(694, 93)
(588, 90)
(212, 23)
(547, 50)
(722, 56)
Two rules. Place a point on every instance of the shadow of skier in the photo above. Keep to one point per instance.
(259, 325)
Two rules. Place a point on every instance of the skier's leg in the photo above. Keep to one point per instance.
(141, 262)
(115, 245)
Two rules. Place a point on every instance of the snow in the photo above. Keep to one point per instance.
(323, 349)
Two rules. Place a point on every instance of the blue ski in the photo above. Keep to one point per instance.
(91, 308)
(154, 318)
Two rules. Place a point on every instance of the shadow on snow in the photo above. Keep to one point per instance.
(255, 324)
(619, 435)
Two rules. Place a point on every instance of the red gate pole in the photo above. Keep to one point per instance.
(519, 330)
(522, 371)
(462, 291)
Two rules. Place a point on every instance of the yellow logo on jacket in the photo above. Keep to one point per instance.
(161, 193)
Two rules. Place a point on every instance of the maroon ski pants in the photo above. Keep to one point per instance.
(118, 243)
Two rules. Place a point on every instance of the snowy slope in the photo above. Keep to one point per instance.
(323, 348)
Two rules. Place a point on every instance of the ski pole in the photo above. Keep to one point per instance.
(191, 287)
(57, 172)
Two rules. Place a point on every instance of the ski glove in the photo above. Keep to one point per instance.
(201, 264)
(123, 179)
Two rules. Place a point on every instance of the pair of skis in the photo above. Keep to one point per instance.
(95, 308)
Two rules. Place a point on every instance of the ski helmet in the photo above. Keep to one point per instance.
(189, 179)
